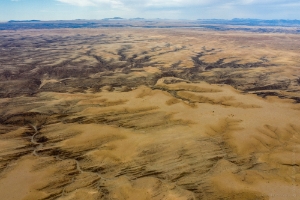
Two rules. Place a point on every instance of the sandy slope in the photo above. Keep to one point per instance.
(144, 147)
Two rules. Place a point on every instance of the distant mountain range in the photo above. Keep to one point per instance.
(251, 22)
(11, 21)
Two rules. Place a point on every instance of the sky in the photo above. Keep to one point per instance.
(165, 9)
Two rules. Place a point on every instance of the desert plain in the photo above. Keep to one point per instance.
(158, 113)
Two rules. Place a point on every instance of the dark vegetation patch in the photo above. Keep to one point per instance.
(23, 119)
(298, 81)
(278, 86)
(22, 78)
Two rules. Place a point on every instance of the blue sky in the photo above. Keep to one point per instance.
(171, 9)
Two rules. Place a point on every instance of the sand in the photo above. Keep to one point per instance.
(112, 123)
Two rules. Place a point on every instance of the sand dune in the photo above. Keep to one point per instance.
(139, 124)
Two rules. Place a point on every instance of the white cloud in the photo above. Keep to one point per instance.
(193, 8)
(145, 3)
(78, 2)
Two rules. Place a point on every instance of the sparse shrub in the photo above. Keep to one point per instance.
(298, 81)
(7, 74)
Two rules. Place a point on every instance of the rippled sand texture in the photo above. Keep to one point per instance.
(149, 114)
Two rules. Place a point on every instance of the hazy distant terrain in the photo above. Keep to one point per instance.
(250, 25)
(149, 113)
